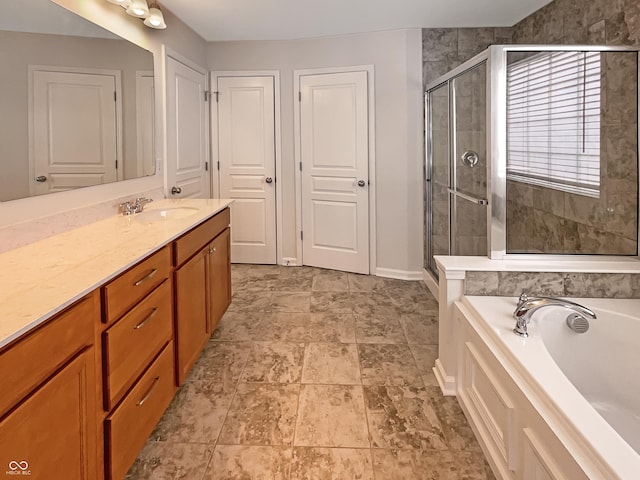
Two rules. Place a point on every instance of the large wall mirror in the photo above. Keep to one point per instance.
(76, 103)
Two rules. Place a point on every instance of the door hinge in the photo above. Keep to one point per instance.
(300, 166)
(115, 96)
(301, 235)
(218, 166)
(206, 166)
(206, 95)
(116, 164)
(217, 94)
(299, 96)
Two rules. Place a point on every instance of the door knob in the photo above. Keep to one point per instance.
(361, 183)
(41, 179)
(176, 191)
(268, 180)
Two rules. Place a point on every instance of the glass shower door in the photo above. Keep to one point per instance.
(469, 222)
(438, 175)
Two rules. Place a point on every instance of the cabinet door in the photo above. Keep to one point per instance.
(51, 435)
(219, 276)
(192, 329)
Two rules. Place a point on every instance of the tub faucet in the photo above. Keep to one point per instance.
(527, 306)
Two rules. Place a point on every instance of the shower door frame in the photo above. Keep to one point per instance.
(496, 131)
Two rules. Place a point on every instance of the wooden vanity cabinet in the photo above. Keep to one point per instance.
(48, 406)
(203, 287)
(192, 327)
(219, 278)
(137, 358)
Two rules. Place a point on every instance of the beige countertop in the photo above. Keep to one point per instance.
(41, 279)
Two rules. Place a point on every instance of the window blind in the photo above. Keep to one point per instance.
(553, 121)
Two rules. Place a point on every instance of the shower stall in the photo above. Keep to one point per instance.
(533, 149)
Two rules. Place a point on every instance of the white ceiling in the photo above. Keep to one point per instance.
(219, 20)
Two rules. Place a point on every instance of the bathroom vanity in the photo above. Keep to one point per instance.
(98, 328)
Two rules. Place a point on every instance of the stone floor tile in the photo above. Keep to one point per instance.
(170, 461)
(378, 329)
(364, 283)
(331, 327)
(274, 362)
(402, 417)
(425, 356)
(243, 462)
(330, 281)
(419, 328)
(429, 464)
(195, 414)
(286, 327)
(240, 326)
(291, 302)
(331, 363)
(221, 362)
(331, 416)
(261, 414)
(251, 302)
(388, 365)
(457, 431)
(331, 464)
(336, 302)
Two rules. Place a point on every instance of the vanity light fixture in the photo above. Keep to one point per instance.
(152, 15)
(155, 18)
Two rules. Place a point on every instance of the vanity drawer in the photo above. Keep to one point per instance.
(26, 363)
(122, 293)
(189, 244)
(129, 426)
(131, 344)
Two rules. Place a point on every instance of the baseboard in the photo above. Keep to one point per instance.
(289, 261)
(446, 382)
(398, 274)
(431, 283)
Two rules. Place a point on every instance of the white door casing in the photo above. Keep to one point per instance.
(187, 128)
(334, 154)
(145, 131)
(74, 128)
(244, 130)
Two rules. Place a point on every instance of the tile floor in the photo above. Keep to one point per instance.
(316, 374)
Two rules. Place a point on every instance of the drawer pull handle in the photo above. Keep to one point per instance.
(212, 250)
(149, 317)
(149, 392)
(144, 279)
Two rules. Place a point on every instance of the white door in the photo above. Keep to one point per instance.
(187, 126)
(334, 153)
(246, 152)
(74, 139)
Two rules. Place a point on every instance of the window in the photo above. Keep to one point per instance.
(553, 121)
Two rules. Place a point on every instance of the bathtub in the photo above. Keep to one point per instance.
(582, 389)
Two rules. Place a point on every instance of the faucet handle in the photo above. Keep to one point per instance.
(524, 296)
(143, 200)
(126, 208)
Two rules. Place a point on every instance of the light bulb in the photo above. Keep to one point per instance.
(138, 8)
(155, 18)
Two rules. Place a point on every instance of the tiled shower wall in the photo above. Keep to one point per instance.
(546, 220)
(612, 22)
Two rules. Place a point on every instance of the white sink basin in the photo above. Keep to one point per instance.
(164, 214)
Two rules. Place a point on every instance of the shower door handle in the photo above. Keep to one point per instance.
(479, 201)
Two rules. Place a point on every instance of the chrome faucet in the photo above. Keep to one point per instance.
(527, 306)
(134, 206)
